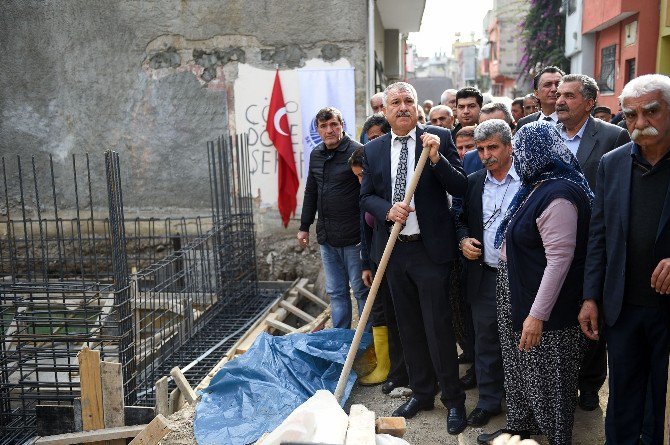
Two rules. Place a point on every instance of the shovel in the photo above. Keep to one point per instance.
(397, 227)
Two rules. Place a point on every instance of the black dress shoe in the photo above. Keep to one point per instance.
(464, 359)
(456, 421)
(484, 439)
(469, 380)
(588, 400)
(480, 417)
(390, 385)
(413, 406)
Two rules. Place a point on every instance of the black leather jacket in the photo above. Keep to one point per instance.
(332, 189)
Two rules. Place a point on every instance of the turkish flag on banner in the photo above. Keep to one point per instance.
(279, 133)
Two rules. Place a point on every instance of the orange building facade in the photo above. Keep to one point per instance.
(626, 41)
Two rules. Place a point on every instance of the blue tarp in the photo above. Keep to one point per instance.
(255, 392)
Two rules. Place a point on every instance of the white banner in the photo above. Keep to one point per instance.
(325, 87)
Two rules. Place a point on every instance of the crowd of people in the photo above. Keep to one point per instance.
(537, 240)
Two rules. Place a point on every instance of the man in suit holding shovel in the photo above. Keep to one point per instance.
(420, 265)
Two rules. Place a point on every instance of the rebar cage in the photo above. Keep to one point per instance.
(76, 272)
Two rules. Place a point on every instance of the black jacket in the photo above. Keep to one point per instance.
(332, 189)
(432, 206)
(605, 269)
(469, 224)
(527, 119)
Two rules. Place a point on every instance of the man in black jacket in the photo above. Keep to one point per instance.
(332, 190)
(490, 192)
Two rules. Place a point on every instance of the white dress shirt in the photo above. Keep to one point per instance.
(412, 224)
(553, 118)
(572, 142)
(496, 198)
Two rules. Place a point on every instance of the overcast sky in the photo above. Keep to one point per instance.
(443, 18)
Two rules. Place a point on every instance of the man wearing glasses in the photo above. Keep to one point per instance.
(489, 193)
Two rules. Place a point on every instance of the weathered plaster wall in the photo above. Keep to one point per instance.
(153, 80)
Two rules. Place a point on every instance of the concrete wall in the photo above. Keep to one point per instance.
(154, 80)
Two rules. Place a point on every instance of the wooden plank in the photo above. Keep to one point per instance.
(91, 389)
(162, 396)
(395, 426)
(112, 397)
(184, 386)
(54, 419)
(122, 432)
(296, 311)
(176, 401)
(361, 429)
(205, 382)
(280, 325)
(310, 296)
(138, 415)
(317, 324)
(153, 433)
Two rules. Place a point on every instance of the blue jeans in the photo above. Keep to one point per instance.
(342, 266)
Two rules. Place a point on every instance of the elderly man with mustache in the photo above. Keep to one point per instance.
(420, 266)
(627, 269)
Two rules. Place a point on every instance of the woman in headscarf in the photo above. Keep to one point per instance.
(543, 238)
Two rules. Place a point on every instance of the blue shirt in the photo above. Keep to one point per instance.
(572, 142)
(496, 198)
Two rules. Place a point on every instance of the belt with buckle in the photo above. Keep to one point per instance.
(409, 238)
(489, 268)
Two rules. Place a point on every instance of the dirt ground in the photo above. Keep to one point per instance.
(430, 427)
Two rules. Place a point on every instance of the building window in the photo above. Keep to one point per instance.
(607, 66)
(631, 33)
(630, 70)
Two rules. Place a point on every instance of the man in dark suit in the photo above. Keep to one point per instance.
(545, 84)
(490, 191)
(588, 139)
(419, 267)
(627, 268)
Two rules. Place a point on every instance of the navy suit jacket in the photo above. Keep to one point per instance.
(471, 162)
(431, 203)
(605, 269)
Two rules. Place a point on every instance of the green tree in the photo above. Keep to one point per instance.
(543, 32)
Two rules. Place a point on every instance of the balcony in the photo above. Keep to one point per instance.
(601, 14)
(401, 15)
